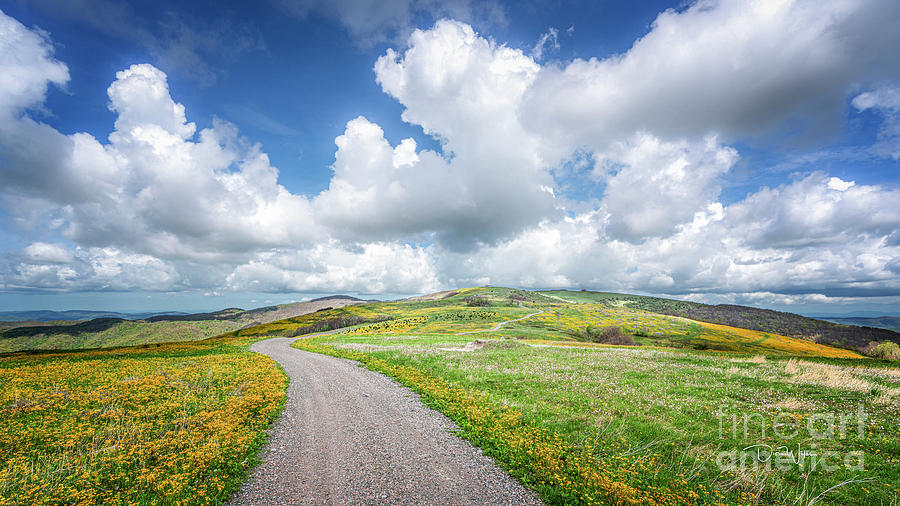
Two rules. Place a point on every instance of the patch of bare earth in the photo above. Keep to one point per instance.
(434, 296)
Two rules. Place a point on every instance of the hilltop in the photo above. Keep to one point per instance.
(581, 318)
(109, 331)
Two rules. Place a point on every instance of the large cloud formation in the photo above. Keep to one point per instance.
(735, 67)
(161, 206)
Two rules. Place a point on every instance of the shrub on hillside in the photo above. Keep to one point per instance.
(886, 350)
(327, 324)
(476, 301)
(609, 335)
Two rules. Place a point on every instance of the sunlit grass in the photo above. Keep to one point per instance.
(579, 422)
(588, 423)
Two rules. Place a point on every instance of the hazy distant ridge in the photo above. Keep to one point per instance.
(109, 328)
(75, 314)
(880, 322)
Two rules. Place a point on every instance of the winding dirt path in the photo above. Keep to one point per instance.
(352, 436)
(496, 328)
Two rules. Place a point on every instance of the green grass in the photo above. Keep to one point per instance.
(576, 421)
(647, 416)
(638, 405)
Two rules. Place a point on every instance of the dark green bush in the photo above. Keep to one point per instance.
(608, 335)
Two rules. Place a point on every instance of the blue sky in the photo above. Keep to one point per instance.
(191, 156)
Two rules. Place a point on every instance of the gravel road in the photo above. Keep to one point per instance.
(352, 436)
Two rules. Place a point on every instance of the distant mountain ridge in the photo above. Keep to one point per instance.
(110, 329)
(344, 297)
(86, 314)
(881, 322)
(75, 314)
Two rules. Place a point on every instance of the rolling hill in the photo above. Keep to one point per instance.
(745, 317)
(528, 376)
(156, 328)
(649, 320)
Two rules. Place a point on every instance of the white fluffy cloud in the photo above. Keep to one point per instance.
(785, 239)
(734, 67)
(154, 187)
(164, 206)
(490, 182)
(653, 187)
(55, 267)
(329, 267)
(817, 210)
(26, 57)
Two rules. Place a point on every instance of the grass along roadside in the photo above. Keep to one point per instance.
(159, 424)
(639, 425)
(542, 460)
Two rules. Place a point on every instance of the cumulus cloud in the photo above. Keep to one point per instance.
(489, 182)
(164, 205)
(815, 241)
(653, 187)
(154, 187)
(732, 67)
(44, 253)
(371, 268)
(26, 57)
(817, 210)
(54, 267)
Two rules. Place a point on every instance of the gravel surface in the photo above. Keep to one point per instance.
(352, 436)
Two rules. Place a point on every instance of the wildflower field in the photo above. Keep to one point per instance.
(156, 424)
(667, 421)
(598, 424)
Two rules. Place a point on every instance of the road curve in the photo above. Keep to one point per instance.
(497, 327)
(348, 435)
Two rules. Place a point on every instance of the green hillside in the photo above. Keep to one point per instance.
(763, 320)
(582, 397)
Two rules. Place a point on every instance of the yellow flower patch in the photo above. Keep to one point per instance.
(163, 425)
(389, 326)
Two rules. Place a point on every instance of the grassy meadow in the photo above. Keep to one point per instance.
(590, 423)
(692, 413)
